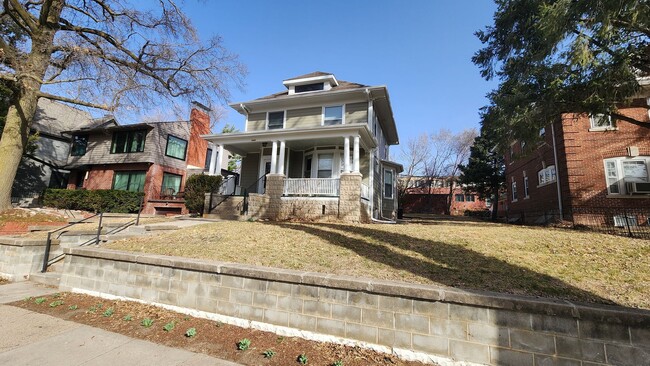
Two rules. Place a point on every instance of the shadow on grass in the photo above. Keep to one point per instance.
(445, 264)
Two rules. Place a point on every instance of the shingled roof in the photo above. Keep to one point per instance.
(343, 85)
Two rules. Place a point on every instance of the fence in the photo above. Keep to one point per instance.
(630, 222)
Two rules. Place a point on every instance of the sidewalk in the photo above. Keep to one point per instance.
(36, 339)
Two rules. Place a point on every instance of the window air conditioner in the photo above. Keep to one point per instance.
(637, 188)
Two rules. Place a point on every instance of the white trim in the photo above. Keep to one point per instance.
(311, 80)
(284, 119)
(322, 113)
(383, 179)
(263, 160)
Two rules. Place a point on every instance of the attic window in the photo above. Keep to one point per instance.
(309, 87)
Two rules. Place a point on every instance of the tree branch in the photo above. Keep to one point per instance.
(73, 101)
(28, 19)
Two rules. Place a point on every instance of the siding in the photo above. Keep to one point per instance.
(304, 118)
(250, 165)
(295, 164)
(356, 113)
(159, 143)
(364, 168)
(256, 122)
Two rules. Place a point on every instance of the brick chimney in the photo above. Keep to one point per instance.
(199, 125)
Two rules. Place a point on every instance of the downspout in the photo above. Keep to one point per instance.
(557, 173)
(371, 158)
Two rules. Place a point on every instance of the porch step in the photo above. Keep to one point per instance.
(47, 278)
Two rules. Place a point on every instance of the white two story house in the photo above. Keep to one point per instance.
(318, 150)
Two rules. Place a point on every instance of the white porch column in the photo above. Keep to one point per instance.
(274, 157)
(355, 166)
(281, 158)
(217, 167)
(213, 159)
(346, 154)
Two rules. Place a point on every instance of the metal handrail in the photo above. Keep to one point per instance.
(48, 244)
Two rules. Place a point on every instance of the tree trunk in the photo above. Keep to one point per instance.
(450, 197)
(21, 113)
(495, 204)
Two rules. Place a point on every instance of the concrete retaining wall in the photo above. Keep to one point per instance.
(20, 256)
(411, 320)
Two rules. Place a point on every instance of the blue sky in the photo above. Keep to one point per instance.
(420, 50)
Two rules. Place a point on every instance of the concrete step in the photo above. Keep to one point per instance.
(47, 278)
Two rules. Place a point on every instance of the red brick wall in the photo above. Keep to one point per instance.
(197, 146)
(418, 201)
(580, 167)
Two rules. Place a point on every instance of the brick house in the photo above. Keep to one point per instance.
(154, 158)
(317, 150)
(422, 197)
(584, 167)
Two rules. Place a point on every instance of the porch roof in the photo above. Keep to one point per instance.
(294, 138)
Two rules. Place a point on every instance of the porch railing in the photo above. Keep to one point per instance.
(365, 192)
(311, 187)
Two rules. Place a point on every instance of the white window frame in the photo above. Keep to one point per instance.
(337, 161)
(546, 176)
(618, 179)
(322, 123)
(514, 192)
(526, 188)
(392, 183)
(594, 127)
(284, 119)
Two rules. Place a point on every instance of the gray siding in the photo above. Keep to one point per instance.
(356, 113)
(159, 143)
(250, 165)
(52, 150)
(295, 164)
(364, 168)
(388, 204)
(256, 122)
(304, 118)
(376, 199)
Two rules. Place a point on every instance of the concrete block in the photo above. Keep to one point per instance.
(213, 279)
(197, 289)
(505, 357)
(232, 282)
(361, 332)
(377, 318)
(604, 331)
(434, 309)
(557, 325)
(304, 291)
(580, 349)
(467, 351)
(178, 286)
(167, 297)
(333, 295)
(532, 341)
(640, 336)
(160, 284)
(363, 299)
(431, 344)
(397, 304)
(228, 308)
(143, 281)
(412, 323)
(488, 334)
(317, 308)
(206, 304)
(265, 300)
(252, 284)
(279, 288)
(290, 304)
(303, 322)
(543, 360)
(393, 338)
(468, 313)
(186, 300)
(510, 319)
(241, 297)
(149, 295)
(251, 313)
(276, 317)
(331, 327)
(448, 328)
(626, 355)
(346, 313)
(113, 289)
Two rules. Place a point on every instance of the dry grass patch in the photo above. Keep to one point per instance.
(547, 262)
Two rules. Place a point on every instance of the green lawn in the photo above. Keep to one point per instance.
(558, 263)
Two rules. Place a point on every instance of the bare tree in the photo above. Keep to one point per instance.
(413, 156)
(459, 148)
(102, 54)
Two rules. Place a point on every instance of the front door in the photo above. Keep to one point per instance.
(265, 168)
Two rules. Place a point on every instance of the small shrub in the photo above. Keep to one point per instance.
(127, 318)
(169, 326)
(338, 363)
(190, 332)
(73, 307)
(100, 200)
(28, 298)
(269, 353)
(108, 313)
(92, 309)
(40, 300)
(302, 359)
(195, 189)
(243, 344)
(56, 303)
(146, 322)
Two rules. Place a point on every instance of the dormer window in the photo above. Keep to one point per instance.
(309, 87)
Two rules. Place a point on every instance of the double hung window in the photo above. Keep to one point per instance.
(128, 141)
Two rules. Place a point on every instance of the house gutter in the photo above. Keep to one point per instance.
(557, 173)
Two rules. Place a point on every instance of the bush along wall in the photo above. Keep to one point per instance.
(101, 200)
(196, 187)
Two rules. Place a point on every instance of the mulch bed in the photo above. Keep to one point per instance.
(15, 228)
(212, 338)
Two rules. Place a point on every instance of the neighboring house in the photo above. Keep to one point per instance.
(45, 166)
(586, 168)
(426, 195)
(154, 158)
(318, 150)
